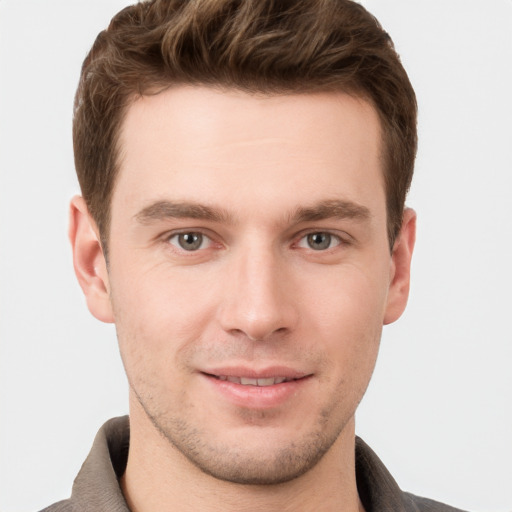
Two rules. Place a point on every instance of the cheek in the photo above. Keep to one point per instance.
(161, 300)
(345, 315)
(348, 299)
(159, 314)
(142, 316)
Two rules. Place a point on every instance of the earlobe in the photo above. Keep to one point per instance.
(401, 268)
(89, 261)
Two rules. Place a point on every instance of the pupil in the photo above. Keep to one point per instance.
(319, 241)
(190, 241)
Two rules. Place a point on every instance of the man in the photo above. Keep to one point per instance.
(244, 167)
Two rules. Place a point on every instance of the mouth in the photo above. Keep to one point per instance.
(257, 390)
(249, 381)
(262, 388)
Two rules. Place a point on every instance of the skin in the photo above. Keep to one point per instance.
(293, 273)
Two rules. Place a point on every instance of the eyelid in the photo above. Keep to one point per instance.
(205, 233)
(342, 237)
(303, 240)
(205, 240)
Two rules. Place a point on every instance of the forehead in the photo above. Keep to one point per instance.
(202, 144)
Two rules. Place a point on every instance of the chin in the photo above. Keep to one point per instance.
(259, 468)
(255, 456)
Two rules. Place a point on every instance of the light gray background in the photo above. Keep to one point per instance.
(439, 409)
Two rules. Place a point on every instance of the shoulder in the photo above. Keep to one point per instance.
(61, 506)
(96, 487)
(419, 504)
(379, 491)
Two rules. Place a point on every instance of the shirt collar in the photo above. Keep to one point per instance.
(97, 485)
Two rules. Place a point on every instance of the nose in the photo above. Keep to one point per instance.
(258, 297)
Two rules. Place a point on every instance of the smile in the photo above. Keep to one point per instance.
(257, 389)
(246, 381)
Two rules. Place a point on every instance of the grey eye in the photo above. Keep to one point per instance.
(319, 241)
(189, 241)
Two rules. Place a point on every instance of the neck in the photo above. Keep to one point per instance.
(159, 477)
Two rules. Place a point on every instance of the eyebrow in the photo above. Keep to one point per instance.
(328, 209)
(162, 210)
(332, 209)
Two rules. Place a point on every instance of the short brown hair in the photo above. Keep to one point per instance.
(269, 46)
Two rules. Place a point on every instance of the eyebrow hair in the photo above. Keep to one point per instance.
(334, 209)
(162, 210)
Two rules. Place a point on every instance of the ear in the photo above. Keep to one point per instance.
(401, 268)
(89, 261)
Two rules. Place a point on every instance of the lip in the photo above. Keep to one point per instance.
(252, 373)
(252, 396)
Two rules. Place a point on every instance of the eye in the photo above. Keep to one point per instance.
(319, 241)
(191, 241)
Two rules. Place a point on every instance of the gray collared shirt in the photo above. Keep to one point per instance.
(96, 487)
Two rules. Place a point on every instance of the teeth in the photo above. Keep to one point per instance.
(266, 382)
(248, 382)
(245, 381)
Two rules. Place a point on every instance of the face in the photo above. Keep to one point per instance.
(250, 273)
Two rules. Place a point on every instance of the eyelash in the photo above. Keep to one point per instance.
(331, 237)
(176, 236)
(303, 242)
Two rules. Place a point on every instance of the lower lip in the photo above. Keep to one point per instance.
(257, 397)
